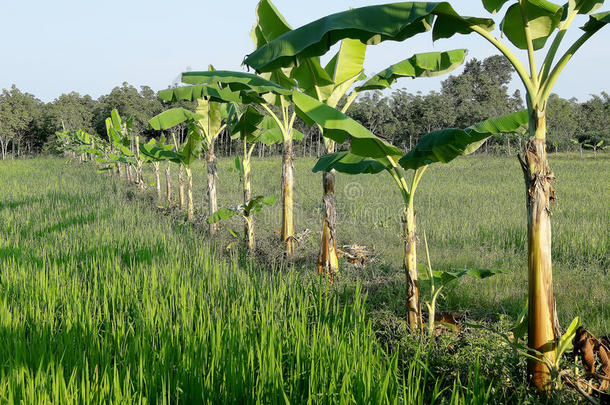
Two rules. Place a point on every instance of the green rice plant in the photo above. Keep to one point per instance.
(102, 302)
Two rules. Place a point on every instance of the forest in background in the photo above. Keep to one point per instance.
(28, 125)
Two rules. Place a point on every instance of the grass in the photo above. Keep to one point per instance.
(473, 212)
(104, 299)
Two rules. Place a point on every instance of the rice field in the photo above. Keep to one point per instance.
(105, 298)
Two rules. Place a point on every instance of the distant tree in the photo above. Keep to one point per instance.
(481, 91)
(376, 113)
(562, 121)
(20, 115)
(594, 118)
(594, 114)
(70, 111)
(141, 105)
(433, 111)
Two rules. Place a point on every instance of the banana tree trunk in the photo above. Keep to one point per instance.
(413, 307)
(128, 172)
(181, 186)
(210, 159)
(168, 184)
(3, 149)
(190, 207)
(328, 262)
(119, 170)
(157, 180)
(248, 219)
(543, 324)
(139, 177)
(287, 233)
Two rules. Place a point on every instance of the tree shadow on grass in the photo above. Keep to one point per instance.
(14, 204)
(82, 351)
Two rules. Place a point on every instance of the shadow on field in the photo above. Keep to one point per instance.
(11, 205)
(60, 349)
(18, 256)
(124, 256)
(56, 198)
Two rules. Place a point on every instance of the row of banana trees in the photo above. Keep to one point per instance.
(291, 81)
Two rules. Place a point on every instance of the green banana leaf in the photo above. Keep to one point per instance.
(348, 62)
(445, 277)
(311, 77)
(158, 151)
(597, 21)
(212, 116)
(419, 65)
(447, 144)
(246, 124)
(115, 119)
(236, 81)
(172, 117)
(346, 67)
(192, 148)
(584, 7)
(339, 127)
(212, 92)
(543, 18)
(348, 163)
(371, 25)
(493, 6)
(270, 24)
(257, 203)
(221, 214)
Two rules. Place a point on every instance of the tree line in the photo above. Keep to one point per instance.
(28, 125)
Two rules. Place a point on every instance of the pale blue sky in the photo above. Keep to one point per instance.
(54, 47)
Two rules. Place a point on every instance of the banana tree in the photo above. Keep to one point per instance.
(269, 25)
(246, 88)
(345, 69)
(252, 128)
(188, 152)
(527, 24)
(369, 154)
(330, 84)
(154, 152)
(77, 143)
(213, 109)
(126, 145)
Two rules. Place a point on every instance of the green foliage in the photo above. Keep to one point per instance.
(348, 163)
(19, 114)
(339, 127)
(438, 280)
(172, 117)
(370, 25)
(155, 151)
(245, 210)
(129, 102)
(236, 81)
(543, 18)
(447, 144)
(119, 304)
(420, 65)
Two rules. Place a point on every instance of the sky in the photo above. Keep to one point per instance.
(54, 47)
